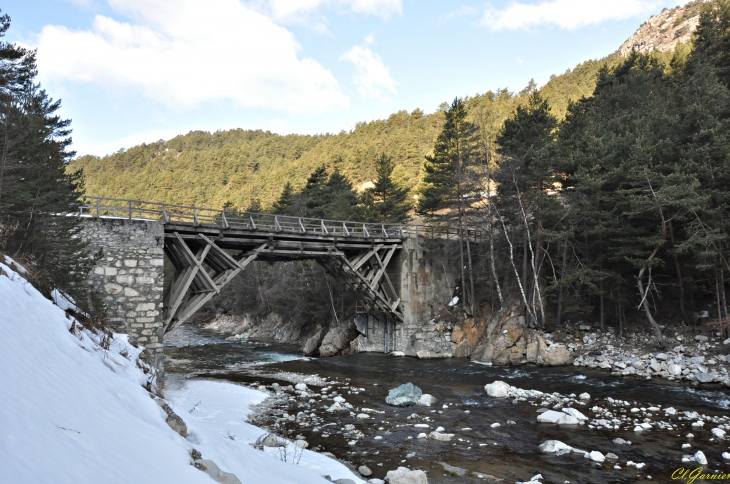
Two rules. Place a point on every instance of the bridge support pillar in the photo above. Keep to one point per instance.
(130, 277)
(425, 288)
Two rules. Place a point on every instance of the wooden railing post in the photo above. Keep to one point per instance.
(224, 221)
(130, 210)
(195, 217)
(324, 229)
(301, 226)
(98, 207)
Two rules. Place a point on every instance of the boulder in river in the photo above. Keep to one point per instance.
(312, 344)
(406, 476)
(337, 338)
(552, 446)
(427, 400)
(497, 389)
(404, 395)
(560, 418)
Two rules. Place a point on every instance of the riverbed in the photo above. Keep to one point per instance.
(509, 451)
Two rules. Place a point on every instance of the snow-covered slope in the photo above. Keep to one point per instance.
(73, 412)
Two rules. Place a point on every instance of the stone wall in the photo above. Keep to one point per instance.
(130, 278)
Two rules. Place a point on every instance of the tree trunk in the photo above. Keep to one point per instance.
(559, 318)
(645, 304)
(680, 279)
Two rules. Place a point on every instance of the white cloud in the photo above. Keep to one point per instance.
(293, 10)
(465, 10)
(566, 14)
(185, 52)
(372, 77)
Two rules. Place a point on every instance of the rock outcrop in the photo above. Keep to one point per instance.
(664, 31)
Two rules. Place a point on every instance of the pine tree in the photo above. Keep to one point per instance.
(284, 202)
(449, 183)
(34, 185)
(386, 202)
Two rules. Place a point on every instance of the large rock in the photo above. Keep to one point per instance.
(406, 394)
(497, 389)
(312, 344)
(560, 418)
(337, 338)
(406, 476)
(556, 356)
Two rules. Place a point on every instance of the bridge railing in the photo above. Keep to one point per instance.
(104, 207)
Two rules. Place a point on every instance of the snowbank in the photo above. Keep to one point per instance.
(74, 412)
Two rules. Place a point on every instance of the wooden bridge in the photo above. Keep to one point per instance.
(209, 247)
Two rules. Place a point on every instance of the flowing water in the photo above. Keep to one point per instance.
(509, 451)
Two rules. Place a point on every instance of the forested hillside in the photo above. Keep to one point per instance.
(241, 166)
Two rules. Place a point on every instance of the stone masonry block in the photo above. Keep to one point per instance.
(145, 307)
(130, 262)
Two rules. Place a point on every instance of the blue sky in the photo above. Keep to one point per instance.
(130, 71)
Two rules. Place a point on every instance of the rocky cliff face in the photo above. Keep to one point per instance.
(664, 31)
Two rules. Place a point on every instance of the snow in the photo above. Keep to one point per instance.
(75, 412)
(63, 301)
(454, 301)
(221, 412)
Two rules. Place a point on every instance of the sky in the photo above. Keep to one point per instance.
(133, 71)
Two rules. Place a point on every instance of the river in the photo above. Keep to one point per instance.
(508, 451)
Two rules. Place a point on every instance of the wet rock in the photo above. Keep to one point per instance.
(700, 458)
(215, 473)
(718, 433)
(453, 470)
(302, 387)
(701, 338)
(364, 471)
(404, 475)
(440, 436)
(427, 400)
(560, 418)
(575, 413)
(596, 456)
(552, 446)
(406, 394)
(363, 416)
(696, 360)
(674, 370)
(584, 396)
(497, 389)
(661, 357)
